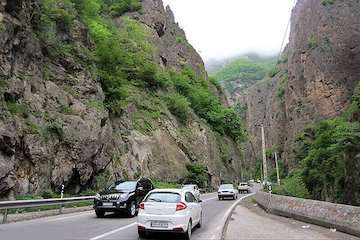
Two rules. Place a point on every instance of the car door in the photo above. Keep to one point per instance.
(194, 206)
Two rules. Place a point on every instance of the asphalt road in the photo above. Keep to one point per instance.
(85, 225)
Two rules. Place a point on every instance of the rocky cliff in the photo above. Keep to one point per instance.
(317, 74)
(55, 124)
(316, 78)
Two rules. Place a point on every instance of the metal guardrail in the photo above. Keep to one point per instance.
(6, 205)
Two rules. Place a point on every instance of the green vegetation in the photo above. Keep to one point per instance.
(313, 42)
(180, 39)
(162, 184)
(17, 109)
(123, 55)
(321, 151)
(293, 186)
(178, 105)
(197, 174)
(246, 70)
(2, 26)
(206, 105)
(327, 2)
(96, 104)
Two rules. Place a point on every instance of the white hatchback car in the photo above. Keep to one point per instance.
(169, 210)
(192, 188)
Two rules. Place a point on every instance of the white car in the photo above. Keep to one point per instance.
(193, 188)
(227, 191)
(169, 210)
(244, 187)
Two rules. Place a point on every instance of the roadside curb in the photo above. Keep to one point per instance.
(229, 214)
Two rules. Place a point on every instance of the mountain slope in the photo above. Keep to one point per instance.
(93, 91)
(309, 108)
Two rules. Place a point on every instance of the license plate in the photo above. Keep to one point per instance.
(107, 204)
(159, 224)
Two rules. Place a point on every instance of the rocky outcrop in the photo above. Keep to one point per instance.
(319, 71)
(54, 128)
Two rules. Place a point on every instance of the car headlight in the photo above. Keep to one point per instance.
(97, 196)
(123, 196)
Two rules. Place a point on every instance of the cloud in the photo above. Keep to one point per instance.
(224, 28)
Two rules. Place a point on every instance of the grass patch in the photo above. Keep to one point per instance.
(17, 109)
(165, 184)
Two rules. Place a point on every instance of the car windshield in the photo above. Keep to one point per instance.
(165, 197)
(227, 186)
(123, 186)
(189, 187)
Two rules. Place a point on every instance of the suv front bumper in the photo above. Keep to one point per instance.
(110, 206)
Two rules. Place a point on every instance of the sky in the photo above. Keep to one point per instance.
(220, 29)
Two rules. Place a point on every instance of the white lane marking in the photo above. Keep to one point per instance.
(114, 231)
(209, 199)
(72, 216)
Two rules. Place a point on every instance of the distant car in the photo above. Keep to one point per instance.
(244, 187)
(193, 188)
(169, 210)
(122, 196)
(258, 181)
(227, 191)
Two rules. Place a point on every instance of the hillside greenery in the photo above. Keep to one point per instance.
(124, 65)
(246, 70)
(322, 150)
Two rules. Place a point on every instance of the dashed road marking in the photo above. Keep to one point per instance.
(114, 231)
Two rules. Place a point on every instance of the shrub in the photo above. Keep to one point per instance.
(293, 186)
(17, 109)
(119, 7)
(312, 42)
(197, 174)
(178, 105)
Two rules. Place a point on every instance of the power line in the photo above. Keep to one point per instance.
(286, 32)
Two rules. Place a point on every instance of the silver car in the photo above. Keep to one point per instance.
(227, 191)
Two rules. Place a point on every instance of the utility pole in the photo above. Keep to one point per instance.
(264, 154)
(277, 169)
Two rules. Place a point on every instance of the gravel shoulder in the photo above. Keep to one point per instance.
(249, 221)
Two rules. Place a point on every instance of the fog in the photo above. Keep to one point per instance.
(220, 29)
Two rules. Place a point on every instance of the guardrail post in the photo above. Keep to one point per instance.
(5, 216)
(62, 196)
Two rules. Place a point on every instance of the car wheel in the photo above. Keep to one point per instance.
(143, 234)
(220, 198)
(99, 213)
(131, 209)
(200, 221)
(187, 234)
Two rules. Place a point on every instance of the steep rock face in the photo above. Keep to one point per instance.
(324, 55)
(51, 133)
(54, 128)
(319, 72)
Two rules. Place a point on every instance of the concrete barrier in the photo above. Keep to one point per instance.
(344, 218)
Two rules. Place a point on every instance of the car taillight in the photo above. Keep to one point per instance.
(142, 205)
(180, 206)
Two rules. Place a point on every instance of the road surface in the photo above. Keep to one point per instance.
(85, 225)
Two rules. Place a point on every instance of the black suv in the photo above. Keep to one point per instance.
(122, 196)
